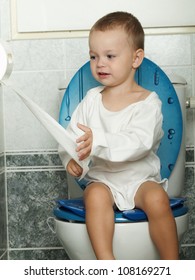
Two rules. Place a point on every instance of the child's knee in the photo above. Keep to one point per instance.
(97, 193)
(154, 198)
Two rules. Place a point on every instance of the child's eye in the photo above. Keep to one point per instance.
(110, 56)
(92, 57)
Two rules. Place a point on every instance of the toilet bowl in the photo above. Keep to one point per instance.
(131, 242)
(131, 236)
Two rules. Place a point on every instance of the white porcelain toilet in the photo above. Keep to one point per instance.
(131, 236)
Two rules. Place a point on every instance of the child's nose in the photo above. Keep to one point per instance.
(101, 62)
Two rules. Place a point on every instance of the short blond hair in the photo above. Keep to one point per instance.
(125, 20)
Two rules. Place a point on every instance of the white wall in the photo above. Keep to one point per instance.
(41, 66)
(55, 15)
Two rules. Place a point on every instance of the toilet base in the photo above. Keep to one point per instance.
(135, 243)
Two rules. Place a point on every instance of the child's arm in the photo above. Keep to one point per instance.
(135, 141)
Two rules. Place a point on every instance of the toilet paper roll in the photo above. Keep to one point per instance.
(6, 61)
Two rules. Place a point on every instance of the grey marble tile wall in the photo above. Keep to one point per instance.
(34, 182)
(3, 230)
(188, 242)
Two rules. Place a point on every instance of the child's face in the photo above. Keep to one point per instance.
(111, 57)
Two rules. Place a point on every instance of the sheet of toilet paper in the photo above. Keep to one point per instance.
(59, 133)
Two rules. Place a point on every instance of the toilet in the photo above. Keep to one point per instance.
(131, 237)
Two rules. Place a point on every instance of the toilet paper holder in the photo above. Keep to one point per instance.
(6, 60)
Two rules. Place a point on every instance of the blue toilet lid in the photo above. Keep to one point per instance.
(73, 209)
(151, 77)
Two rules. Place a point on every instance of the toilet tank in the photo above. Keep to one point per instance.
(177, 177)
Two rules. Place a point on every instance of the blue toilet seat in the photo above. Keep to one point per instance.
(151, 77)
(74, 210)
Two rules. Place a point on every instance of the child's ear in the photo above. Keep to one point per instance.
(138, 58)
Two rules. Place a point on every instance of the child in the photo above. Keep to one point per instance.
(119, 126)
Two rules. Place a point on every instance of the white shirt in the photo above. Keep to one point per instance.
(124, 144)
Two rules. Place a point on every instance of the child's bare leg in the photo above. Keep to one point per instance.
(152, 198)
(100, 219)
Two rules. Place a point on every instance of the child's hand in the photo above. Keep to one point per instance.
(74, 169)
(86, 140)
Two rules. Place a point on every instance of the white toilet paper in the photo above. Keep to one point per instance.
(53, 127)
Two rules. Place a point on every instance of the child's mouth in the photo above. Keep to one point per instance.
(103, 74)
